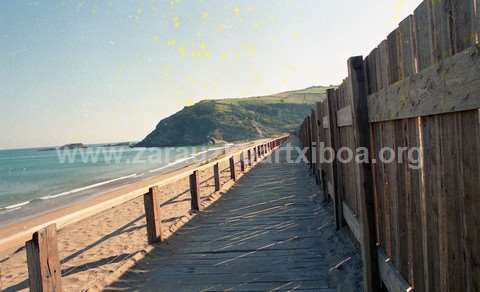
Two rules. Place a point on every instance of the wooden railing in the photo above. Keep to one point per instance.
(44, 270)
(420, 88)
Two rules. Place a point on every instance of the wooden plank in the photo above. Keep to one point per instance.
(383, 63)
(391, 278)
(406, 43)
(416, 276)
(463, 16)
(216, 176)
(451, 210)
(44, 270)
(364, 182)
(151, 202)
(344, 117)
(330, 104)
(423, 36)
(393, 61)
(371, 65)
(352, 222)
(470, 131)
(232, 169)
(401, 198)
(476, 22)
(442, 34)
(377, 174)
(195, 191)
(249, 156)
(451, 86)
(431, 189)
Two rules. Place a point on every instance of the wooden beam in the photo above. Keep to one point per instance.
(195, 191)
(391, 277)
(344, 117)
(44, 270)
(216, 176)
(151, 202)
(232, 169)
(352, 222)
(364, 179)
(453, 85)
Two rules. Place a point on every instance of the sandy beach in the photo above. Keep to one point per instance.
(97, 250)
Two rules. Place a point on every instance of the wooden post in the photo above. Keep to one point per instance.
(232, 169)
(249, 154)
(151, 201)
(44, 270)
(255, 154)
(364, 183)
(216, 176)
(242, 162)
(331, 110)
(195, 191)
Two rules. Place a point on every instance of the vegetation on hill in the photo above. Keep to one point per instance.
(235, 119)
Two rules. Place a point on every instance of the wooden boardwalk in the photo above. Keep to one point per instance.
(271, 232)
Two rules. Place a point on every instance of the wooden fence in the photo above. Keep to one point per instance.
(418, 225)
(44, 268)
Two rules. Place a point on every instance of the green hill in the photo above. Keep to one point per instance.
(235, 119)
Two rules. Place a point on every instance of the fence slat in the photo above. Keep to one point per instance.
(151, 202)
(44, 270)
(442, 38)
(406, 44)
(423, 36)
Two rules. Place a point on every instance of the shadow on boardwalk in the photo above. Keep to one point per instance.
(271, 232)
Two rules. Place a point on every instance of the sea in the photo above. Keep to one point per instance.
(38, 180)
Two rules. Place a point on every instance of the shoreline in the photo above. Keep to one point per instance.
(11, 228)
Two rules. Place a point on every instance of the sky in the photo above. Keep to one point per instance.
(108, 71)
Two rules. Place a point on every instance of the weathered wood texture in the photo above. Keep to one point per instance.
(453, 85)
(233, 175)
(153, 215)
(195, 191)
(216, 176)
(44, 271)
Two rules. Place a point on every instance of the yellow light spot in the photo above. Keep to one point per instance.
(171, 43)
(223, 56)
(204, 15)
(236, 11)
(176, 22)
(203, 45)
(181, 51)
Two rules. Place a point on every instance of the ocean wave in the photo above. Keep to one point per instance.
(15, 206)
(87, 187)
